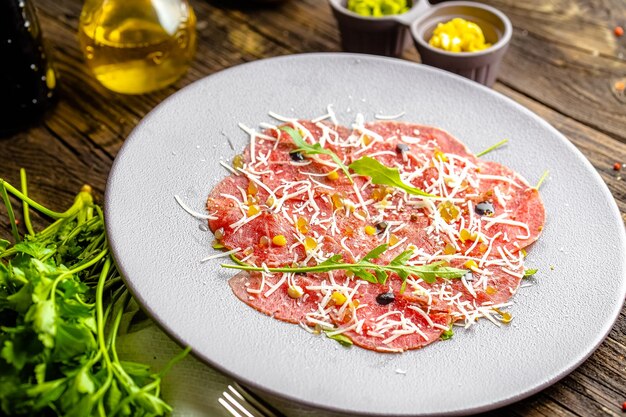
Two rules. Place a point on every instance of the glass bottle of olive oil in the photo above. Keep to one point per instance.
(137, 46)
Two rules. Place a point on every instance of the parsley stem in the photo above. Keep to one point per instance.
(7, 203)
(34, 204)
(27, 222)
(491, 148)
(100, 327)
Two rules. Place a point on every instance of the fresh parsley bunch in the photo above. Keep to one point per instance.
(61, 304)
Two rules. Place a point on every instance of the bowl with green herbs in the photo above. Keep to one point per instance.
(376, 26)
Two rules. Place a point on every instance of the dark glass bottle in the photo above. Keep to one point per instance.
(27, 79)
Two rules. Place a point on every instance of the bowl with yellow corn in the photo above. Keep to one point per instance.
(467, 38)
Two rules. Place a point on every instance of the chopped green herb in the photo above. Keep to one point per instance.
(314, 149)
(542, 179)
(529, 272)
(447, 334)
(492, 148)
(341, 338)
(378, 8)
(369, 271)
(383, 175)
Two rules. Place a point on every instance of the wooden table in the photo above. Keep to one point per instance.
(562, 64)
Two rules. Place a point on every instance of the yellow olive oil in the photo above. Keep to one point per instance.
(137, 46)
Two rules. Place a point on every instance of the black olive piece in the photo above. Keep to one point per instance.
(385, 298)
(296, 156)
(485, 209)
(381, 227)
(300, 273)
(402, 148)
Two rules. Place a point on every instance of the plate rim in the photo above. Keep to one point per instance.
(488, 405)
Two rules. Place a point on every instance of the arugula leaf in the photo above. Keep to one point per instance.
(375, 253)
(383, 175)
(364, 275)
(362, 269)
(315, 149)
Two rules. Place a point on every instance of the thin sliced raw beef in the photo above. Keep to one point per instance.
(286, 210)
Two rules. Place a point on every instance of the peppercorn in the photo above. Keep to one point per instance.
(385, 298)
(296, 156)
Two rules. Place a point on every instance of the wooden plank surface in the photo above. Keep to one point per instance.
(562, 64)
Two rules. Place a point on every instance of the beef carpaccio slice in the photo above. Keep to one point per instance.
(288, 208)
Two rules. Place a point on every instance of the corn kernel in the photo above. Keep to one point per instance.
(348, 231)
(440, 156)
(380, 192)
(309, 243)
(219, 233)
(505, 316)
(448, 211)
(338, 298)
(366, 140)
(471, 264)
(449, 249)
(295, 291)
(248, 251)
(411, 247)
(302, 225)
(279, 240)
(491, 290)
(355, 303)
(464, 235)
(370, 230)
(270, 201)
(238, 161)
(264, 241)
(333, 175)
(337, 201)
(362, 213)
(523, 251)
(252, 188)
(252, 199)
(393, 239)
(253, 209)
(483, 248)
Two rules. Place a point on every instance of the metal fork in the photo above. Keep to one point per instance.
(241, 403)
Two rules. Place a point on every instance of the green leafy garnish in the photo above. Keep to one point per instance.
(61, 306)
(542, 179)
(383, 175)
(447, 334)
(529, 272)
(341, 338)
(369, 271)
(314, 149)
(492, 148)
